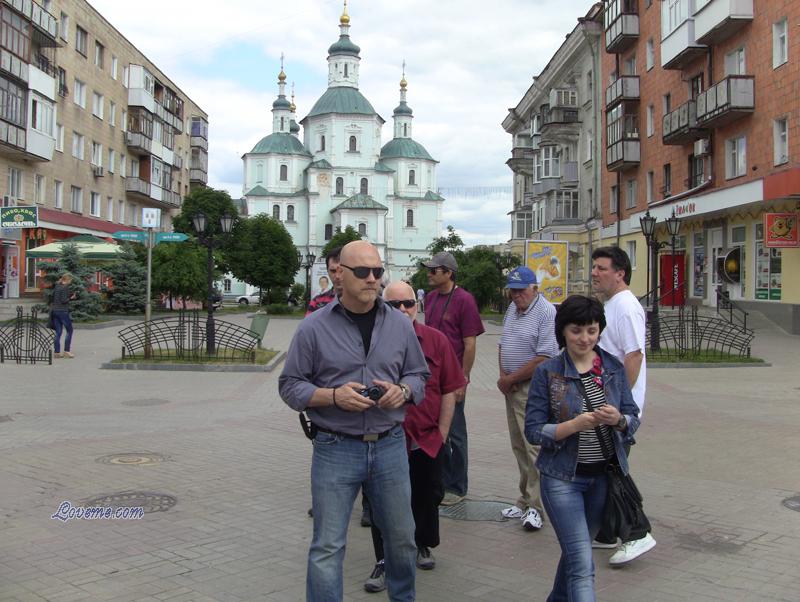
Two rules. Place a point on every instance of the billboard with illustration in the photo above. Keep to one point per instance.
(548, 260)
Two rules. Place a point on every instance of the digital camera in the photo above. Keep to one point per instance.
(374, 392)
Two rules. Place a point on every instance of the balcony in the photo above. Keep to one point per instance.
(680, 126)
(680, 47)
(622, 31)
(198, 175)
(13, 141)
(560, 125)
(717, 20)
(45, 25)
(199, 142)
(562, 207)
(177, 161)
(137, 187)
(521, 160)
(569, 173)
(138, 143)
(726, 101)
(527, 200)
(623, 148)
(172, 199)
(13, 65)
(624, 88)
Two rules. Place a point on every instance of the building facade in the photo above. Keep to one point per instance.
(91, 132)
(701, 106)
(339, 174)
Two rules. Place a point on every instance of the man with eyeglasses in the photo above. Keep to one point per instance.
(528, 339)
(353, 366)
(426, 427)
(453, 311)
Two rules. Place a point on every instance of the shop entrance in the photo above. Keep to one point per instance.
(9, 276)
(715, 250)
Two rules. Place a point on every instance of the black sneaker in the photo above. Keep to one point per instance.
(425, 560)
(377, 580)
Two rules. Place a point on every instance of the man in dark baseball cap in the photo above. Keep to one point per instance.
(442, 260)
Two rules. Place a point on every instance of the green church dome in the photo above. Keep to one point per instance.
(282, 103)
(405, 148)
(281, 144)
(403, 109)
(342, 100)
(344, 46)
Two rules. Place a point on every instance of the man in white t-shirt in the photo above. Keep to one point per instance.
(624, 338)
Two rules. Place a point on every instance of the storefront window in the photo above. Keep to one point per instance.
(738, 239)
(698, 264)
(768, 269)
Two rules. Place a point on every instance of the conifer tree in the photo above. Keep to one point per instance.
(86, 305)
(128, 284)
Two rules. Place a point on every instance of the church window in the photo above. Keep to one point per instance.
(284, 173)
(362, 229)
(412, 177)
(282, 123)
(364, 186)
(352, 148)
(409, 218)
(259, 173)
(276, 212)
(328, 231)
(290, 213)
(226, 285)
(405, 129)
(345, 69)
(339, 185)
(322, 143)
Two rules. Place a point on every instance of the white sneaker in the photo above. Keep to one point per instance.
(512, 512)
(631, 550)
(531, 521)
(599, 545)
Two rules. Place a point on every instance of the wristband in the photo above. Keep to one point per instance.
(334, 398)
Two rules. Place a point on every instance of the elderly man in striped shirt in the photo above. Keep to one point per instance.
(528, 339)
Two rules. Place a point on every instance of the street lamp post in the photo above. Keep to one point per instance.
(210, 242)
(674, 228)
(648, 225)
(309, 262)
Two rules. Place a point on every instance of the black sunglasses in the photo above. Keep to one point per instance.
(433, 270)
(407, 303)
(362, 272)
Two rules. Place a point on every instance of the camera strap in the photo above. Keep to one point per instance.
(309, 428)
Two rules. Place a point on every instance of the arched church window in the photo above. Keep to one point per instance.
(322, 143)
(412, 177)
(328, 231)
(259, 173)
(290, 213)
(352, 148)
(405, 129)
(281, 123)
(364, 186)
(362, 229)
(276, 212)
(339, 185)
(410, 218)
(284, 173)
(345, 69)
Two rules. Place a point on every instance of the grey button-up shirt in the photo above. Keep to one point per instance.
(327, 351)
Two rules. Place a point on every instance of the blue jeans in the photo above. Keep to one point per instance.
(339, 467)
(62, 320)
(454, 470)
(575, 509)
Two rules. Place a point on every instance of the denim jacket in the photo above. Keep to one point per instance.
(555, 397)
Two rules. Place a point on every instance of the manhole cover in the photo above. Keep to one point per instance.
(792, 503)
(141, 403)
(146, 500)
(133, 459)
(475, 510)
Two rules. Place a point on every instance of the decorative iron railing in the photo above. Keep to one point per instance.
(25, 340)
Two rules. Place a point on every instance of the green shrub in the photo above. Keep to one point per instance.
(278, 309)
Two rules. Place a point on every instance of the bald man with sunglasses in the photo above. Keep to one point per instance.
(354, 365)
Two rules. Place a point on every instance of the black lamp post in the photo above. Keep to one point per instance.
(674, 228)
(648, 225)
(210, 242)
(309, 262)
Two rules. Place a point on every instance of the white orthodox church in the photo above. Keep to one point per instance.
(339, 174)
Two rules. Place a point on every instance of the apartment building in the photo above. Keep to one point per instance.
(700, 121)
(91, 132)
(555, 154)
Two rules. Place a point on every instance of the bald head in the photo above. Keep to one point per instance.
(356, 250)
(358, 294)
(400, 291)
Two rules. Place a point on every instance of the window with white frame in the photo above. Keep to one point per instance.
(339, 185)
(651, 118)
(412, 177)
(63, 31)
(631, 244)
(14, 183)
(112, 159)
(114, 67)
(780, 43)
(409, 218)
(94, 204)
(132, 214)
(780, 140)
(125, 76)
(362, 229)
(123, 167)
(58, 194)
(276, 212)
(735, 157)
(290, 213)
(77, 145)
(76, 199)
(589, 145)
(79, 93)
(630, 194)
(81, 38)
(123, 124)
(284, 173)
(110, 209)
(99, 54)
(364, 187)
(38, 189)
(120, 211)
(735, 62)
(97, 105)
(352, 146)
(613, 200)
(112, 113)
(551, 167)
(630, 65)
(97, 154)
(651, 54)
(59, 138)
(650, 183)
(42, 115)
(673, 14)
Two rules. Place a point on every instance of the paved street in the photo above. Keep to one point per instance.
(717, 454)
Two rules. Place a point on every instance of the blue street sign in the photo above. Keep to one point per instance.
(170, 237)
(130, 235)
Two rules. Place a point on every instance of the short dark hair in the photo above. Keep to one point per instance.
(334, 254)
(619, 260)
(580, 310)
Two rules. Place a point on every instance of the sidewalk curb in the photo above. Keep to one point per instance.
(269, 367)
(97, 325)
(709, 365)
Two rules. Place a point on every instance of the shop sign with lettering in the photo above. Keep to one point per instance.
(19, 217)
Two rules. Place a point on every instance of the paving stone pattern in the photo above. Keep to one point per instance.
(717, 455)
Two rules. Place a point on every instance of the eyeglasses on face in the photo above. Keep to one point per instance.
(362, 272)
(407, 303)
(434, 270)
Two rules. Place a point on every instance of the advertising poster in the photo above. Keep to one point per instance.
(781, 230)
(548, 260)
(319, 278)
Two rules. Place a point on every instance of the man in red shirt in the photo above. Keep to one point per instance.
(426, 426)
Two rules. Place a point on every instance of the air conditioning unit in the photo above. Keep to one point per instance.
(97, 171)
(702, 147)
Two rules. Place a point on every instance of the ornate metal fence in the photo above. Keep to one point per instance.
(25, 340)
(184, 339)
(685, 333)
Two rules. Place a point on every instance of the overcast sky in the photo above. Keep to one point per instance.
(467, 62)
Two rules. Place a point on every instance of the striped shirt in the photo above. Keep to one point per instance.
(589, 449)
(527, 334)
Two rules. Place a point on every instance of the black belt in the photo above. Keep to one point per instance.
(364, 437)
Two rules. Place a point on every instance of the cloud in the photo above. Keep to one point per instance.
(467, 62)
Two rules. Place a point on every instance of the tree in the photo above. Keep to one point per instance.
(261, 252)
(86, 305)
(179, 270)
(451, 243)
(341, 238)
(128, 283)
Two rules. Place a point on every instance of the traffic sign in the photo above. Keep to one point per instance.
(170, 237)
(130, 235)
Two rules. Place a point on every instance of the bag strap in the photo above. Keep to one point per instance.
(608, 454)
